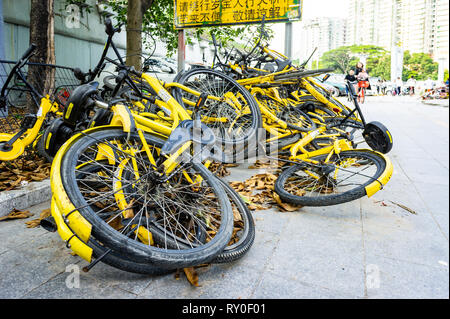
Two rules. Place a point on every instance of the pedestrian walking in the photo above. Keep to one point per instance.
(379, 85)
(398, 86)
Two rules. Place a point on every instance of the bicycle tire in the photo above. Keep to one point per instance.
(309, 123)
(240, 248)
(190, 79)
(125, 246)
(333, 199)
(40, 146)
(115, 259)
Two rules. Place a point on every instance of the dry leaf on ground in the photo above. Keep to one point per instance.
(16, 214)
(191, 275)
(259, 193)
(28, 167)
(36, 222)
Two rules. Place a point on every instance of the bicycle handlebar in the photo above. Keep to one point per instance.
(28, 52)
(110, 31)
(22, 61)
(350, 87)
(80, 75)
(124, 67)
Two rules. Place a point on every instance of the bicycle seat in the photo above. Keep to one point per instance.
(184, 133)
(78, 103)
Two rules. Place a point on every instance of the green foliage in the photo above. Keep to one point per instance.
(345, 58)
(158, 21)
(382, 67)
(374, 55)
(340, 59)
(419, 65)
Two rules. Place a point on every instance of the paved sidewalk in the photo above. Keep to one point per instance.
(360, 249)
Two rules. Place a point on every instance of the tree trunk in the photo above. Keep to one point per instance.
(135, 13)
(134, 37)
(42, 34)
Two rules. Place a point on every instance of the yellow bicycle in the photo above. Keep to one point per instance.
(122, 192)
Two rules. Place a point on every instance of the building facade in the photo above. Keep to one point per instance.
(420, 26)
(79, 34)
(322, 33)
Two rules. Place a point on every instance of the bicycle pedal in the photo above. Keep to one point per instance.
(28, 121)
(201, 101)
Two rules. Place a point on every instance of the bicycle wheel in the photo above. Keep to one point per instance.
(342, 179)
(17, 96)
(362, 97)
(234, 116)
(244, 230)
(296, 119)
(293, 116)
(125, 194)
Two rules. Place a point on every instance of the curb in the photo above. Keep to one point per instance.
(33, 194)
(444, 103)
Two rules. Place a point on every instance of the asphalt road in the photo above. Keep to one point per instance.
(362, 249)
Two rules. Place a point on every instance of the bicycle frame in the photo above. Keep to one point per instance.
(13, 145)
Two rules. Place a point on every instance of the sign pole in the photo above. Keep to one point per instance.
(288, 40)
(181, 50)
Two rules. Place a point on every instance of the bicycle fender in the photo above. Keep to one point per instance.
(78, 103)
(123, 117)
(78, 224)
(72, 241)
(377, 185)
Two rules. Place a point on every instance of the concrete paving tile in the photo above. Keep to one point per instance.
(436, 198)
(58, 288)
(385, 212)
(328, 256)
(14, 233)
(234, 281)
(405, 238)
(116, 278)
(30, 265)
(261, 252)
(432, 172)
(416, 247)
(271, 220)
(167, 287)
(273, 287)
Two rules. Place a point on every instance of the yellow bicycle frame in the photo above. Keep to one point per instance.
(18, 147)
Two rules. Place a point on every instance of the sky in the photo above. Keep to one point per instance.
(324, 8)
(311, 9)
